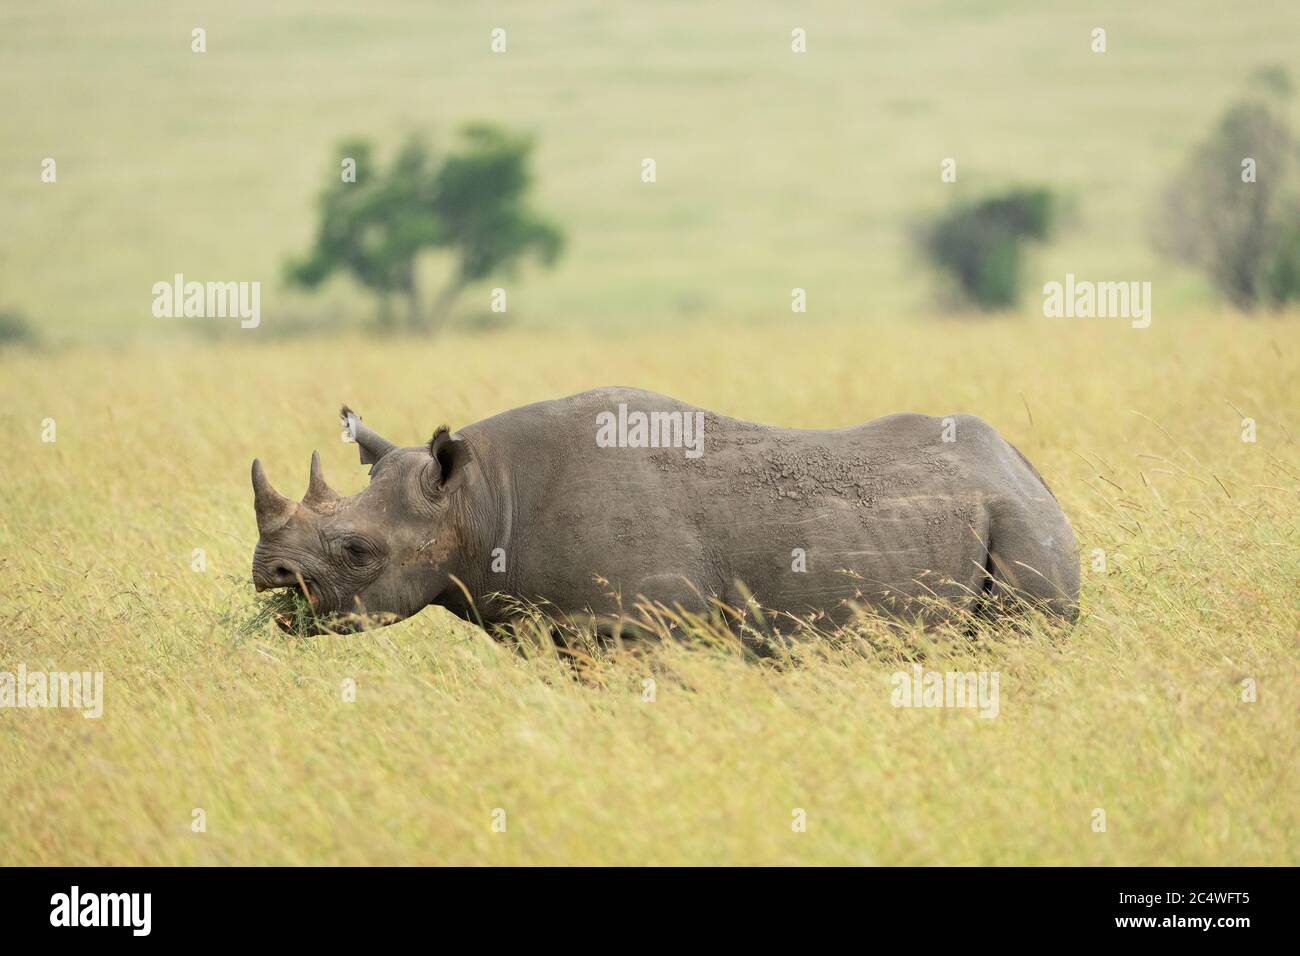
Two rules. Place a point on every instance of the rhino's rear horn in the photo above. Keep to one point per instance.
(318, 492)
(373, 446)
(272, 508)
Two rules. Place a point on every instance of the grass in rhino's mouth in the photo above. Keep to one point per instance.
(287, 608)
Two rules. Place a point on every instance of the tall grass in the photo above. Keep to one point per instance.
(1137, 711)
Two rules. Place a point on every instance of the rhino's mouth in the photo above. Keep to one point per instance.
(297, 608)
(300, 610)
(292, 608)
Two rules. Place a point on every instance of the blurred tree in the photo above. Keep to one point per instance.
(471, 205)
(1232, 210)
(15, 330)
(1281, 282)
(980, 244)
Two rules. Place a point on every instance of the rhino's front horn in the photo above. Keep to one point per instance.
(373, 446)
(318, 492)
(273, 509)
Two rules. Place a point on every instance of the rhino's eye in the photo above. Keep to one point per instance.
(358, 551)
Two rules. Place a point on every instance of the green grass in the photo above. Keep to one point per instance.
(1138, 711)
(775, 170)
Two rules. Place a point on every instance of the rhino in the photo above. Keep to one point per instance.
(591, 505)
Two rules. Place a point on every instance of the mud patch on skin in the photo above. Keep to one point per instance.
(813, 473)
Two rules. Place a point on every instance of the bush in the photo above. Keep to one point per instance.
(15, 330)
(1282, 275)
(980, 245)
(1239, 226)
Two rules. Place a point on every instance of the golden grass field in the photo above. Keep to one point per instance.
(775, 171)
(1138, 711)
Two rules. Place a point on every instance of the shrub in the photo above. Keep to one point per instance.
(980, 245)
(15, 330)
(1231, 211)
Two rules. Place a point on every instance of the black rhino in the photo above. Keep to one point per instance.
(619, 493)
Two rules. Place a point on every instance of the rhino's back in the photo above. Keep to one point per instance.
(805, 518)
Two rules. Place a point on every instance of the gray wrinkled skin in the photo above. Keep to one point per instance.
(890, 517)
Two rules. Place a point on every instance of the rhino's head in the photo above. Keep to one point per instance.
(386, 552)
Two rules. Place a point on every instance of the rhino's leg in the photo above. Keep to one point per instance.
(1033, 562)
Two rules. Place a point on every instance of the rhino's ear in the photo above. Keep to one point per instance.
(450, 456)
(373, 446)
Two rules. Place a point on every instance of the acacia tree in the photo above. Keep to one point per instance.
(471, 205)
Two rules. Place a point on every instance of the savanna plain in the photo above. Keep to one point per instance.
(1170, 711)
